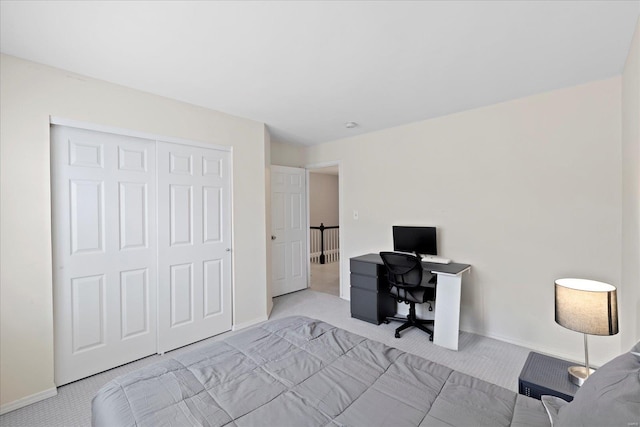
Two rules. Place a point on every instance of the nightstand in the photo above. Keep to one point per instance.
(546, 375)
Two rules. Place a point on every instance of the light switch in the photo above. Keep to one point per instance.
(355, 214)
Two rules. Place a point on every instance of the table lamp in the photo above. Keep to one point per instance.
(589, 307)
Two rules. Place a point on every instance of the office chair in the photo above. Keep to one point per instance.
(405, 277)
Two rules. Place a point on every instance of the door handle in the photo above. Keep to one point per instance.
(228, 249)
(273, 237)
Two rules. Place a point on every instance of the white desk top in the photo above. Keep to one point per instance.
(451, 269)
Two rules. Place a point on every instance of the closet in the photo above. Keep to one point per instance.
(141, 247)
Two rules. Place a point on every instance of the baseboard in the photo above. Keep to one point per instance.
(250, 323)
(28, 400)
(509, 340)
(526, 344)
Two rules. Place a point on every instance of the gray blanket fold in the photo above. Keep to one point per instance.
(303, 372)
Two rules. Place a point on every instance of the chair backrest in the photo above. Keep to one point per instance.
(403, 270)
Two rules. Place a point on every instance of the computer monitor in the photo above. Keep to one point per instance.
(419, 240)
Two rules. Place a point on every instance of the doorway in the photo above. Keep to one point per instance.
(324, 229)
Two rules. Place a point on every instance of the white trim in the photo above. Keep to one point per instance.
(527, 344)
(232, 243)
(133, 133)
(322, 165)
(544, 349)
(28, 400)
(288, 168)
(308, 208)
(250, 323)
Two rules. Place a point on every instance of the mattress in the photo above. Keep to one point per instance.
(299, 371)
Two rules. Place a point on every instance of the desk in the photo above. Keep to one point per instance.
(370, 299)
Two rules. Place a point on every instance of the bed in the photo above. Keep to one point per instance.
(299, 371)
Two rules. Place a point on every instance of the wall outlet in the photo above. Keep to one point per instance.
(355, 214)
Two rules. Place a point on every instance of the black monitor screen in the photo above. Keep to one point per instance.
(421, 240)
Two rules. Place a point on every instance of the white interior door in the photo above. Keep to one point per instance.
(103, 193)
(288, 229)
(194, 244)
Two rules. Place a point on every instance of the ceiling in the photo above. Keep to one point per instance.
(307, 68)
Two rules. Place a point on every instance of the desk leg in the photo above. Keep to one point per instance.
(447, 319)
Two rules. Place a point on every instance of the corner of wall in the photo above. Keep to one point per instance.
(267, 184)
(629, 300)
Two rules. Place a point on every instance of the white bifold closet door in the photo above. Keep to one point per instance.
(125, 286)
(194, 244)
(104, 251)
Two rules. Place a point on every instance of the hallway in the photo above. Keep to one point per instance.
(326, 278)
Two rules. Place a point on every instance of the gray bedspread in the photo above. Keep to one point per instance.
(303, 372)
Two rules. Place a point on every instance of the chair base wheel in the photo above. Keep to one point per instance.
(411, 321)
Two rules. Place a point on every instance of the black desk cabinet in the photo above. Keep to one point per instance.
(370, 299)
(546, 375)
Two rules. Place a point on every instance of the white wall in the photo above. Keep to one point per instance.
(629, 296)
(323, 199)
(287, 154)
(525, 191)
(30, 94)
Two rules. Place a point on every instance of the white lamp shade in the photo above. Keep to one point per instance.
(587, 306)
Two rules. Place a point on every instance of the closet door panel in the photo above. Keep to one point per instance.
(213, 283)
(181, 214)
(212, 214)
(88, 312)
(104, 257)
(87, 215)
(181, 294)
(134, 292)
(194, 243)
(134, 228)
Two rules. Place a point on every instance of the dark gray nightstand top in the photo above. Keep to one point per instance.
(549, 372)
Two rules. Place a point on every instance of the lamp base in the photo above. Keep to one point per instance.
(578, 374)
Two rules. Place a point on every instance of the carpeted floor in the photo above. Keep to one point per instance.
(485, 358)
(326, 278)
